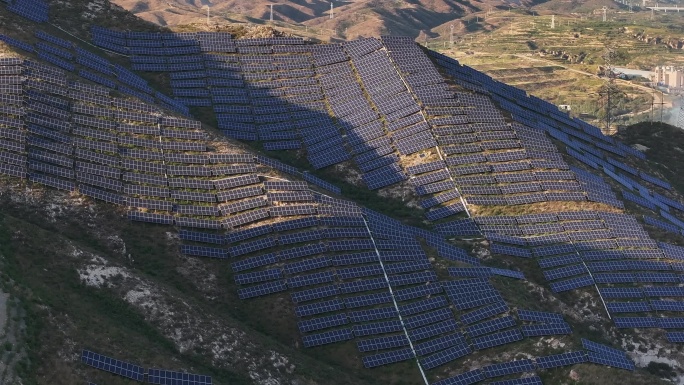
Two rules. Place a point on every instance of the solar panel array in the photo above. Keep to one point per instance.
(635, 275)
(113, 365)
(112, 151)
(66, 56)
(74, 136)
(35, 10)
(593, 352)
(137, 373)
(364, 83)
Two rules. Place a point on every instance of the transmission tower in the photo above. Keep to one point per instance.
(680, 114)
(604, 13)
(653, 104)
(208, 15)
(553, 21)
(609, 90)
(331, 9)
(271, 19)
(451, 36)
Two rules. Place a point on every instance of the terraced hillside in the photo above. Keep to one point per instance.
(561, 64)
(198, 253)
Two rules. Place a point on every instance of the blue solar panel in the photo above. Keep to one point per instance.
(377, 328)
(507, 273)
(671, 323)
(483, 272)
(610, 360)
(428, 318)
(602, 349)
(373, 314)
(467, 378)
(262, 289)
(572, 283)
(319, 307)
(423, 305)
(484, 312)
(663, 305)
(563, 359)
(359, 271)
(315, 293)
(327, 337)
(254, 262)
(506, 368)
(387, 358)
(363, 285)
(539, 316)
(675, 336)
(510, 250)
(258, 276)
(368, 300)
(433, 330)
(490, 326)
(546, 329)
(497, 339)
(112, 365)
(534, 380)
(417, 292)
(322, 322)
(444, 356)
(306, 265)
(381, 343)
(310, 279)
(167, 377)
(204, 251)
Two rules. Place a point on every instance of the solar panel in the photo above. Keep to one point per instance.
(563, 359)
(572, 283)
(613, 361)
(423, 305)
(417, 291)
(484, 312)
(168, 377)
(445, 356)
(546, 329)
(375, 314)
(535, 380)
(381, 343)
(496, 339)
(387, 358)
(661, 305)
(506, 368)
(427, 318)
(601, 349)
(327, 337)
(467, 378)
(539, 316)
(490, 326)
(303, 251)
(319, 307)
(675, 336)
(368, 300)
(112, 365)
(262, 289)
(310, 279)
(254, 262)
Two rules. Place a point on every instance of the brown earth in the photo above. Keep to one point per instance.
(352, 19)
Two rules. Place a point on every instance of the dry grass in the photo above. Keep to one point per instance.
(541, 207)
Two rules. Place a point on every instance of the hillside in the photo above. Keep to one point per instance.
(352, 19)
(562, 64)
(266, 210)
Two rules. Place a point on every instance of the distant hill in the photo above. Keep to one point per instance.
(352, 19)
